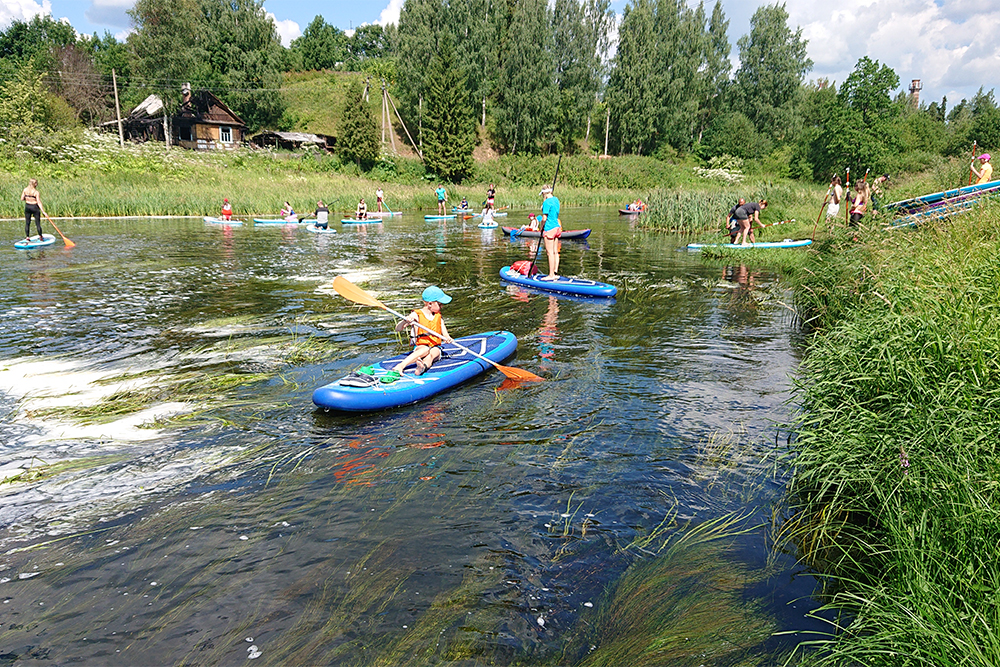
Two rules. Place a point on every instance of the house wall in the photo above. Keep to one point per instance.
(206, 138)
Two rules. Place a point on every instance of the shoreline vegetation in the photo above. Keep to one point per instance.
(895, 486)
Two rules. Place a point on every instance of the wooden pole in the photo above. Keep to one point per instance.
(607, 126)
(118, 110)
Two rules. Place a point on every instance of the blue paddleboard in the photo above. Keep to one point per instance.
(356, 393)
(440, 217)
(787, 243)
(319, 230)
(47, 239)
(220, 221)
(578, 286)
(271, 221)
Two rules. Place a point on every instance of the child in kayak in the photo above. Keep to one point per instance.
(426, 346)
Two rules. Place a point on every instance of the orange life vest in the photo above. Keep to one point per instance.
(434, 324)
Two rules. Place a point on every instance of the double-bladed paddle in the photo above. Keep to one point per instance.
(352, 292)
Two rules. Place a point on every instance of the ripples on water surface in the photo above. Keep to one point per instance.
(173, 497)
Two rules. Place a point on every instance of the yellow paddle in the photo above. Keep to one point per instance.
(66, 241)
(352, 292)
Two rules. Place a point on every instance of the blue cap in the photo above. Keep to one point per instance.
(434, 293)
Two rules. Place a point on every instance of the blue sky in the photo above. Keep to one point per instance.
(950, 45)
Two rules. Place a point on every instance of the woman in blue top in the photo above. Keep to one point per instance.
(442, 196)
(551, 231)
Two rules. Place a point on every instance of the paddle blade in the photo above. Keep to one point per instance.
(68, 243)
(519, 375)
(352, 292)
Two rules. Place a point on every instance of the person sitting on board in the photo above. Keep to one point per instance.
(379, 196)
(287, 213)
(426, 346)
(732, 224)
(227, 210)
(362, 211)
(464, 205)
(322, 214)
(747, 214)
(488, 217)
(32, 199)
(985, 171)
(551, 231)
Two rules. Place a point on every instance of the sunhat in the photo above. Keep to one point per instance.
(546, 190)
(984, 156)
(434, 293)
(225, 201)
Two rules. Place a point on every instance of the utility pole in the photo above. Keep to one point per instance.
(118, 110)
(607, 126)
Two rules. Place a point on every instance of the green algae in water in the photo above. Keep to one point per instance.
(684, 608)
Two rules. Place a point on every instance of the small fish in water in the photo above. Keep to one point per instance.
(253, 653)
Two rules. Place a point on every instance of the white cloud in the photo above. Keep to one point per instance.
(287, 30)
(111, 13)
(391, 12)
(948, 44)
(21, 10)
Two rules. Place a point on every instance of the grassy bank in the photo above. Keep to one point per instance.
(896, 482)
(96, 177)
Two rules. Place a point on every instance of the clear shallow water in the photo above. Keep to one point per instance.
(488, 525)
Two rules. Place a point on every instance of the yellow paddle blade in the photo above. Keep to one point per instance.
(352, 292)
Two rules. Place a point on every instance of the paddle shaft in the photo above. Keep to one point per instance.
(829, 193)
(438, 333)
(974, 146)
(66, 241)
(847, 198)
(541, 238)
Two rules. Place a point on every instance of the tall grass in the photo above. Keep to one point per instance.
(896, 479)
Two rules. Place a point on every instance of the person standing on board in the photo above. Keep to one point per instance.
(747, 215)
(732, 224)
(227, 210)
(32, 199)
(491, 196)
(985, 171)
(379, 196)
(442, 196)
(551, 231)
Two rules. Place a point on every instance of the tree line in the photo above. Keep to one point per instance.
(528, 76)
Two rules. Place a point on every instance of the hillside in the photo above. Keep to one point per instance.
(315, 98)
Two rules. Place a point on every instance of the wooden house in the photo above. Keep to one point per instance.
(204, 122)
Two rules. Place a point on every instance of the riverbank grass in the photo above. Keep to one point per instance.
(896, 477)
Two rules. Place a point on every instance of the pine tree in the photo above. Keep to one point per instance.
(357, 139)
(449, 128)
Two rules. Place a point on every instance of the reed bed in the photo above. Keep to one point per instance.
(896, 485)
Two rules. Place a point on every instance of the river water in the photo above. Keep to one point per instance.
(171, 495)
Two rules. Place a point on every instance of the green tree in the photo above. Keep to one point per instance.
(322, 46)
(715, 72)
(526, 96)
(449, 128)
(369, 42)
(30, 117)
(34, 42)
(632, 94)
(773, 64)
(420, 22)
(580, 37)
(357, 136)
(245, 58)
(868, 89)
(168, 45)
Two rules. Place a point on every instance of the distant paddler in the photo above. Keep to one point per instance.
(33, 208)
(227, 210)
(322, 214)
(985, 171)
(361, 213)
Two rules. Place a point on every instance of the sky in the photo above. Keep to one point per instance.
(952, 46)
